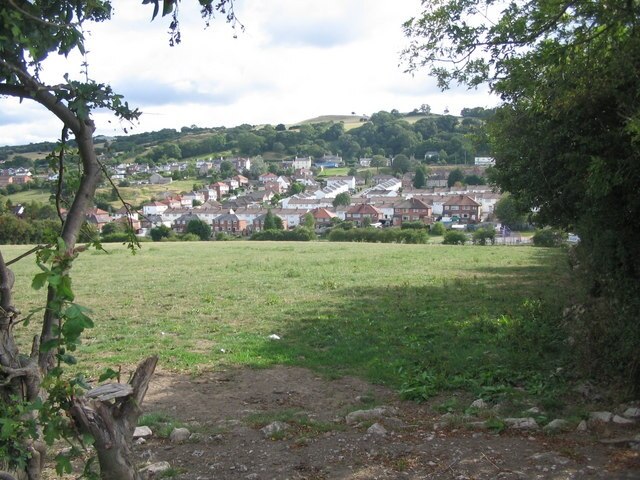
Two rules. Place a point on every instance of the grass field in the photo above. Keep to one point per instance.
(418, 318)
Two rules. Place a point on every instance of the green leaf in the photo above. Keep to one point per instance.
(108, 374)
(63, 464)
(39, 280)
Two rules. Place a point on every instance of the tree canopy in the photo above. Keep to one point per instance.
(566, 141)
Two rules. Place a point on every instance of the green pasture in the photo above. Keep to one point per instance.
(420, 318)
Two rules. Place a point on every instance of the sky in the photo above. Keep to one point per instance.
(295, 60)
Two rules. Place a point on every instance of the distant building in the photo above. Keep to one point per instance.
(484, 161)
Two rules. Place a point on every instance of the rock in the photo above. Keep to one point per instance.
(157, 468)
(140, 441)
(377, 429)
(273, 336)
(622, 421)
(533, 411)
(526, 423)
(274, 428)
(557, 425)
(582, 426)
(142, 432)
(179, 435)
(479, 403)
(632, 412)
(372, 414)
(603, 417)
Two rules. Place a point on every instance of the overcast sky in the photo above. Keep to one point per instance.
(296, 59)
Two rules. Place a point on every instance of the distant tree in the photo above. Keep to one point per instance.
(401, 164)
(226, 169)
(258, 167)
(483, 235)
(426, 109)
(509, 212)
(474, 180)
(296, 187)
(343, 199)
(249, 143)
(353, 171)
(200, 228)
(378, 161)
(437, 229)
(456, 175)
(308, 221)
(269, 221)
(366, 175)
(419, 180)
(160, 232)
(280, 127)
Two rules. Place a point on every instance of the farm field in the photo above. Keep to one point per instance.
(418, 318)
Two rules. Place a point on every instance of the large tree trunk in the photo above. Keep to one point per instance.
(111, 423)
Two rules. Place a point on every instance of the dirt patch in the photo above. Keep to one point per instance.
(226, 411)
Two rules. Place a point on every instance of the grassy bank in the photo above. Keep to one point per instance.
(420, 318)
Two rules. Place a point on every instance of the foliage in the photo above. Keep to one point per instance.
(376, 235)
(160, 232)
(342, 199)
(437, 229)
(308, 221)
(454, 237)
(548, 237)
(483, 235)
(401, 164)
(419, 180)
(199, 228)
(414, 226)
(299, 234)
(455, 176)
(566, 140)
(509, 212)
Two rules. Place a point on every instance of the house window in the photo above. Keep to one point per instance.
(455, 207)
(406, 218)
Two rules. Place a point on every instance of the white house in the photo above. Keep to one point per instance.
(304, 162)
(154, 208)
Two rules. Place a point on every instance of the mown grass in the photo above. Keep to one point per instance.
(420, 318)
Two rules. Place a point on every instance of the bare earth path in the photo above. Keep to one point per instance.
(223, 410)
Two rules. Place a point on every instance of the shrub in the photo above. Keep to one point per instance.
(453, 237)
(116, 237)
(372, 235)
(413, 226)
(299, 234)
(190, 237)
(438, 229)
(548, 237)
(482, 235)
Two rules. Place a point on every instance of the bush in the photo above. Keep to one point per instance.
(453, 237)
(438, 229)
(482, 235)
(548, 237)
(372, 235)
(116, 237)
(190, 237)
(299, 234)
(413, 226)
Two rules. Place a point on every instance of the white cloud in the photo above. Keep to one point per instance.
(295, 60)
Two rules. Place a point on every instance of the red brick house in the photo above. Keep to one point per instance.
(323, 217)
(464, 207)
(412, 210)
(357, 213)
(229, 223)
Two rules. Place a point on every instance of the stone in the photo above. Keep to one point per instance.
(632, 412)
(526, 423)
(603, 417)
(273, 429)
(377, 429)
(557, 425)
(157, 468)
(582, 426)
(140, 441)
(179, 435)
(372, 414)
(533, 411)
(622, 421)
(142, 432)
(479, 403)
